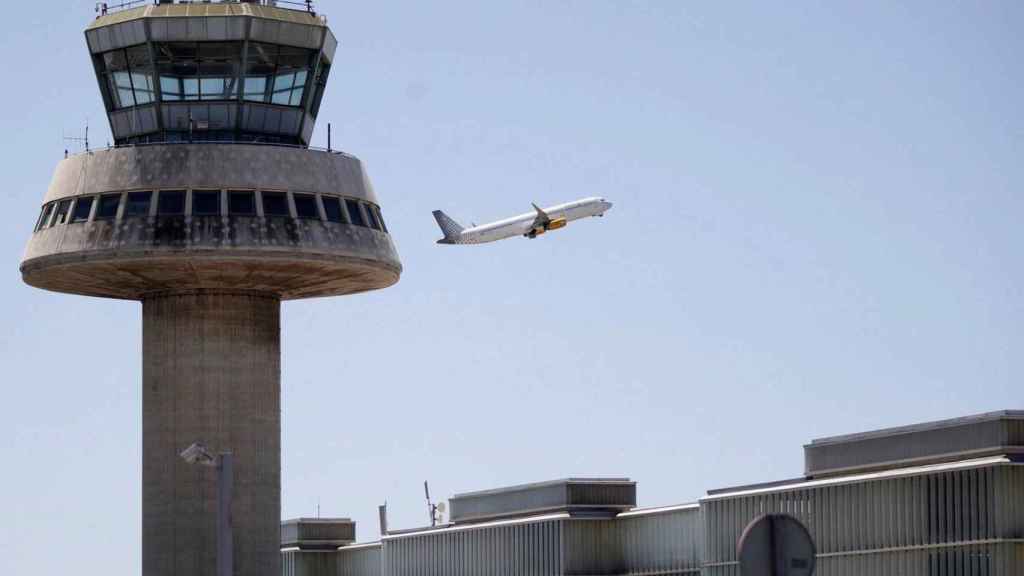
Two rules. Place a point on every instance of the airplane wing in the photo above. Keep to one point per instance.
(542, 218)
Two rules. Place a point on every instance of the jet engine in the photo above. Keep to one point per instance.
(552, 225)
(556, 224)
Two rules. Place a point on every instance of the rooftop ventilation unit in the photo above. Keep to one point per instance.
(317, 533)
(989, 434)
(577, 496)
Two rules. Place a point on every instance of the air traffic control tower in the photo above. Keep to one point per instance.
(210, 209)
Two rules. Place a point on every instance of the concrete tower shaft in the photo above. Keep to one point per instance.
(211, 371)
(211, 209)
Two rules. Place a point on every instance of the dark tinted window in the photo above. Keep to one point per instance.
(241, 203)
(275, 204)
(372, 217)
(62, 212)
(332, 208)
(305, 206)
(138, 204)
(380, 219)
(108, 206)
(82, 208)
(44, 217)
(171, 202)
(206, 202)
(354, 213)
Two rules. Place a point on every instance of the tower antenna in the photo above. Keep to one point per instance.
(83, 140)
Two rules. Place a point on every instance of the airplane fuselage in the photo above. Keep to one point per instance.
(526, 224)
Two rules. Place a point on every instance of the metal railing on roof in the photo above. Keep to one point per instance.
(104, 8)
(186, 142)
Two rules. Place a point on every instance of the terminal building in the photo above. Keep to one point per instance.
(938, 499)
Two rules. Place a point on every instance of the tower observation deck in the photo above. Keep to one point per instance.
(210, 209)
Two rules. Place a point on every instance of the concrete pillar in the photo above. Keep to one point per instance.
(211, 372)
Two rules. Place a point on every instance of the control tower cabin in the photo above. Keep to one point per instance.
(210, 209)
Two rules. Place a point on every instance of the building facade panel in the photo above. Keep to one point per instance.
(945, 518)
(496, 549)
(363, 560)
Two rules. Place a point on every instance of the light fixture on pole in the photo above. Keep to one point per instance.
(198, 453)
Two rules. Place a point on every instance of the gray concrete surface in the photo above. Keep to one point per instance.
(244, 166)
(211, 373)
(130, 257)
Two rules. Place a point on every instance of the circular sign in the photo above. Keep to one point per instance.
(776, 545)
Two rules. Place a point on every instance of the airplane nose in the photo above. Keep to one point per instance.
(608, 205)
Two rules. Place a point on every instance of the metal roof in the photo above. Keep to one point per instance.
(544, 484)
(921, 427)
(360, 546)
(202, 10)
(855, 478)
(476, 526)
(658, 510)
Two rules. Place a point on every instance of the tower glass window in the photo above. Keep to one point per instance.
(128, 75)
(62, 212)
(83, 206)
(107, 208)
(198, 70)
(355, 215)
(140, 67)
(206, 202)
(171, 203)
(372, 217)
(44, 217)
(332, 209)
(241, 203)
(305, 206)
(276, 74)
(275, 204)
(380, 219)
(138, 204)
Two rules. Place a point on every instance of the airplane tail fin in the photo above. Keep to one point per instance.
(452, 230)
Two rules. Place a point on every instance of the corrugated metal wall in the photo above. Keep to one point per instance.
(948, 523)
(308, 563)
(495, 550)
(664, 543)
(364, 560)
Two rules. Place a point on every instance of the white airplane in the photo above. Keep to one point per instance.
(531, 224)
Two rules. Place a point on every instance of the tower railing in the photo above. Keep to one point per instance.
(105, 8)
(186, 142)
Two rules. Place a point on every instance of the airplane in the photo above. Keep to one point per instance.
(530, 225)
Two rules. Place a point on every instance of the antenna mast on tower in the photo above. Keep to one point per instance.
(84, 140)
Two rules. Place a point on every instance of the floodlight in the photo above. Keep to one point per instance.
(198, 453)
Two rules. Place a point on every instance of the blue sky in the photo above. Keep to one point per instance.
(816, 231)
